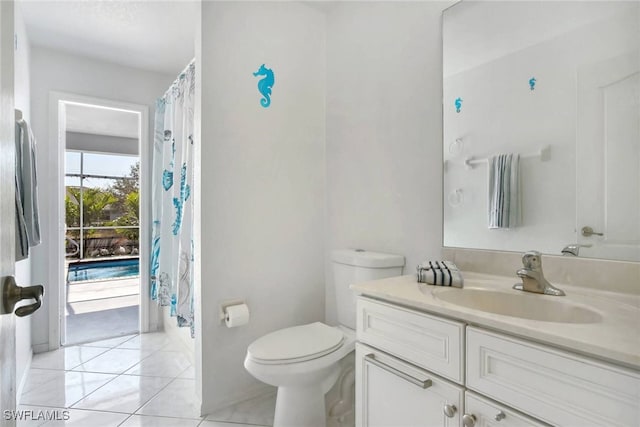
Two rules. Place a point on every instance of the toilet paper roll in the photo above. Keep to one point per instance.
(236, 315)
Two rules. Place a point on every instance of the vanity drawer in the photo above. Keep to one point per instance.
(430, 342)
(487, 413)
(557, 387)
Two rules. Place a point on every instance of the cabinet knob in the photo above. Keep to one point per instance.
(468, 420)
(500, 416)
(449, 410)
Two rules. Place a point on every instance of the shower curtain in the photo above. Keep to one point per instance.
(172, 204)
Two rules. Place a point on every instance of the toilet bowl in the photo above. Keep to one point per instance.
(303, 362)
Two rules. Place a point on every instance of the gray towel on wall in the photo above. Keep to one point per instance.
(27, 214)
(504, 191)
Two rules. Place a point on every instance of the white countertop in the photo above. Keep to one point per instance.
(615, 338)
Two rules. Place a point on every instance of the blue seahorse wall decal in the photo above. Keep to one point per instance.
(532, 83)
(458, 103)
(265, 85)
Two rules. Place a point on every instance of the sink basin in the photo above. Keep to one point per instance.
(519, 304)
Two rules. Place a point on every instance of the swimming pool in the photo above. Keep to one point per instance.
(103, 269)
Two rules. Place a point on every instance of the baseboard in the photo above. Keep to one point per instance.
(40, 348)
(25, 375)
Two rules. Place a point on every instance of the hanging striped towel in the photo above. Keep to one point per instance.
(441, 273)
(504, 191)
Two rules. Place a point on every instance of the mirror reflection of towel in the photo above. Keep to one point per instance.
(504, 191)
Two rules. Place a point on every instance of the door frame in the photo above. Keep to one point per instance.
(148, 317)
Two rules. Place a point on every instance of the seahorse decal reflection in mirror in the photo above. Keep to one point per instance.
(458, 103)
(265, 85)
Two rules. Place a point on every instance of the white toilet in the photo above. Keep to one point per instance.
(303, 361)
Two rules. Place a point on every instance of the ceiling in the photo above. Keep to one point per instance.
(149, 35)
(101, 121)
(477, 32)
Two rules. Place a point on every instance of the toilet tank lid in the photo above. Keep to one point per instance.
(362, 258)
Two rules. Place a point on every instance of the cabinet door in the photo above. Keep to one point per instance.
(393, 393)
(485, 413)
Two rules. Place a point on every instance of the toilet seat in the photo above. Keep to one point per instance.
(296, 344)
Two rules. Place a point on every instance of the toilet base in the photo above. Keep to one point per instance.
(300, 407)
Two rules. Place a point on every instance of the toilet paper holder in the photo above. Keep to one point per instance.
(223, 307)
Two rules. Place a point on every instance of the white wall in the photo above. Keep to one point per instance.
(384, 131)
(501, 114)
(57, 71)
(23, 268)
(262, 182)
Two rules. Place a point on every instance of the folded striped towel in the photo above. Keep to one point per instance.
(440, 273)
(430, 265)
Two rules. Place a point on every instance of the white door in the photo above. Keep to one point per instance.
(7, 212)
(393, 393)
(608, 158)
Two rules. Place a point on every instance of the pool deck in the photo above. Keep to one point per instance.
(102, 258)
(98, 295)
(99, 309)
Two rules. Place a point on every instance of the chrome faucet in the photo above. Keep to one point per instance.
(533, 278)
(574, 249)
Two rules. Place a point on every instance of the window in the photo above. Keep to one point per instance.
(102, 205)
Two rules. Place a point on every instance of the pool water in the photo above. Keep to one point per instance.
(99, 270)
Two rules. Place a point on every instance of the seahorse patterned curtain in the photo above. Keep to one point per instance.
(172, 204)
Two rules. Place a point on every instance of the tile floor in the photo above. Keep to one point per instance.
(130, 381)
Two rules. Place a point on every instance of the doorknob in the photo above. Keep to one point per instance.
(12, 293)
(588, 231)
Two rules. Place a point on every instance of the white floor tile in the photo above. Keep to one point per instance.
(35, 416)
(80, 418)
(150, 341)
(66, 357)
(161, 364)
(109, 343)
(37, 377)
(125, 394)
(189, 373)
(149, 421)
(207, 423)
(65, 388)
(114, 361)
(259, 410)
(177, 400)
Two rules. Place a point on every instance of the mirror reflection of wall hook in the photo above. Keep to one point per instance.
(455, 198)
(456, 147)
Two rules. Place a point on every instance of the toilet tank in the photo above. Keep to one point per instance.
(355, 266)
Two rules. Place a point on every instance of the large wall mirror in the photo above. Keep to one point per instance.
(542, 127)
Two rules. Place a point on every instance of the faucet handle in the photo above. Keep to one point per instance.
(574, 248)
(532, 260)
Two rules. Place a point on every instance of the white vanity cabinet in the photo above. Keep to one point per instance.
(418, 369)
